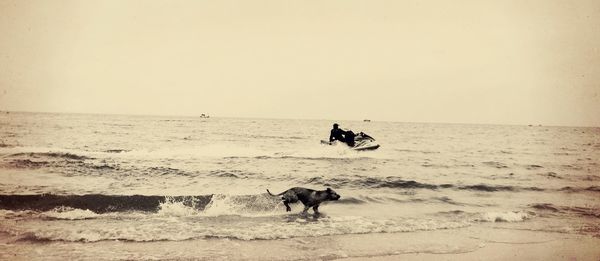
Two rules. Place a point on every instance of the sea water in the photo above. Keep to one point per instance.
(73, 181)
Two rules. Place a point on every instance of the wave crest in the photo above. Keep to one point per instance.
(96, 202)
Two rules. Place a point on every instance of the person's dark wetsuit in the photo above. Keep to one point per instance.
(341, 135)
(337, 134)
(349, 135)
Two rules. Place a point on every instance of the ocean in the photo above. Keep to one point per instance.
(82, 186)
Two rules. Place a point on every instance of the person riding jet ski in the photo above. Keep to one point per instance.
(341, 135)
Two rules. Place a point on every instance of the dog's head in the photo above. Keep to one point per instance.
(332, 195)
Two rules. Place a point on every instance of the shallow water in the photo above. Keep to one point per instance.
(75, 179)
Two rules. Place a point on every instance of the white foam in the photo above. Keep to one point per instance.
(176, 222)
(70, 214)
(510, 216)
(5, 213)
(308, 227)
(337, 151)
(224, 205)
(175, 209)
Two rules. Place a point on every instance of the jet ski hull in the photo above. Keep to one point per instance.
(366, 146)
(361, 142)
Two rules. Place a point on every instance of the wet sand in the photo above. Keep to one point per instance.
(506, 245)
(481, 243)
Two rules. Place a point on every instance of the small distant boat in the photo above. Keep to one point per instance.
(204, 116)
(367, 120)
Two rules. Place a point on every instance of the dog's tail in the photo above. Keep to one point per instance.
(273, 194)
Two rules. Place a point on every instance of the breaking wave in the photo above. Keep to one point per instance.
(210, 205)
(98, 203)
(160, 218)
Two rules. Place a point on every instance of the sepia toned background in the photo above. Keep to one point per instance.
(507, 62)
(486, 113)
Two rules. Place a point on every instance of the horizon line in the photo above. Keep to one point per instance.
(279, 118)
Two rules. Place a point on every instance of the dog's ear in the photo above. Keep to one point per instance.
(328, 189)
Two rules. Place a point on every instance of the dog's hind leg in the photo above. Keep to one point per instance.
(287, 207)
(305, 209)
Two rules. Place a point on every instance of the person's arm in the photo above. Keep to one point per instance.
(331, 136)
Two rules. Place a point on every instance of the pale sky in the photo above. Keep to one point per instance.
(504, 61)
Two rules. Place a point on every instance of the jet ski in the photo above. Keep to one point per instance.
(362, 141)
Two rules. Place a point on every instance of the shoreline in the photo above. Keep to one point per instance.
(470, 243)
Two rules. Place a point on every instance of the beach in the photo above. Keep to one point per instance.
(462, 244)
(118, 187)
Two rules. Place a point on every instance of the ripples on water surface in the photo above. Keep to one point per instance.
(94, 178)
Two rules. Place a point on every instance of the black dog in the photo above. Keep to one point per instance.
(308, 197)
